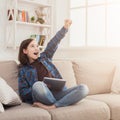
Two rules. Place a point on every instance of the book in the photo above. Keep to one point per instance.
(54, 83)
(39, 38)
(19, 16)
(22, 16)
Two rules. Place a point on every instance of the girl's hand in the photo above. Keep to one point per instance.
(67, 23)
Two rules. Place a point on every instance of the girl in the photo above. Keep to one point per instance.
(34, 68)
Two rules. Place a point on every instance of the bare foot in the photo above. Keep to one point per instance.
(38, 104)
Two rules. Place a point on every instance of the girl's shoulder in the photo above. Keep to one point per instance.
(22, 67)
(25, 67)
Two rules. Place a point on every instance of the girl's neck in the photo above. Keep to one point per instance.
(32, 61)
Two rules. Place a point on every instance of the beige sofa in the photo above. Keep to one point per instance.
(100, 104)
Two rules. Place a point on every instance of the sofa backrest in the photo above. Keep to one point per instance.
(66, 69)
(97, 75)
(9, 72)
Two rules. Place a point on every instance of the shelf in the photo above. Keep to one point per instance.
(27, 28)
(34, 2)
(33, 24)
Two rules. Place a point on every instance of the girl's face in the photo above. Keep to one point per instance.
(32, 51)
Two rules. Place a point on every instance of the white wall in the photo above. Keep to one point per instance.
(2, 21)
(4, 53)
(61, 13)
(90, 53)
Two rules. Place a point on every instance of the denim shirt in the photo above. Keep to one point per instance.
(28, 74)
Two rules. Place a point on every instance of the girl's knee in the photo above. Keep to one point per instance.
(84, 89)
(37, 86)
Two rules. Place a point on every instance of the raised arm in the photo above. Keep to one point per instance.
(54, 42)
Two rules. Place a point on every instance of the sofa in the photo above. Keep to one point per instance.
(102, 103)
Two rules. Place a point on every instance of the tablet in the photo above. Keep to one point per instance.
(54, 83)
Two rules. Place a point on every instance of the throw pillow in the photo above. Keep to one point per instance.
(1, 108)
(9, 72)
(7, 95)
(115, 88)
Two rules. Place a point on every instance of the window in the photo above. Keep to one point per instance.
(95, 23)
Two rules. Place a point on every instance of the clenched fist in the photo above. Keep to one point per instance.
(67, 23)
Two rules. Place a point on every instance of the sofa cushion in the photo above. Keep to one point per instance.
(1, 108)
(7, 95)
(9, 72)
(112, 100)
(97, 76)
(84, 110)
(66, 70)
(25, 112)
(115, 88)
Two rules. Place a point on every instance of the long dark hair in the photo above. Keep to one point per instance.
(23, 57)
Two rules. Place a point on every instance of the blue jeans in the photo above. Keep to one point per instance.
(41, 93)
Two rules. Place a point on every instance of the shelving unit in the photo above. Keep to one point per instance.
(34, 2)
(33, 24)
(18, 30)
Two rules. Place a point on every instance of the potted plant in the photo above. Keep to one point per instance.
(32, 19)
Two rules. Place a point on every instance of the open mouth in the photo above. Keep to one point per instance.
(36, 53)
